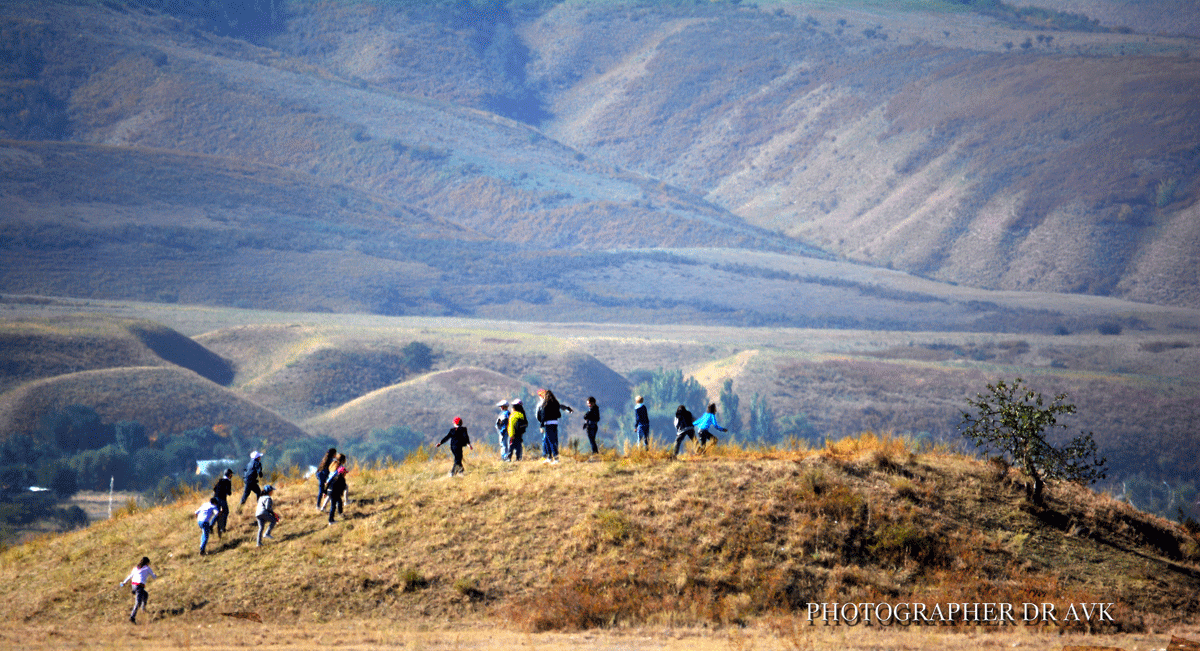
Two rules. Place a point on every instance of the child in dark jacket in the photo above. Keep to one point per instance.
(591, 423)
(336, 489)
(684, 427)
(221, 491)
(458, 437)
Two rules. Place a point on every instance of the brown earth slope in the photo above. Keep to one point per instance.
(724, 541)
(1029, 168)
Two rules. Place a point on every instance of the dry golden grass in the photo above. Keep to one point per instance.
(638, 550)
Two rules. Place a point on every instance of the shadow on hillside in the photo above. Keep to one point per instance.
(181, 610)
(182, 351)
(1140, 532)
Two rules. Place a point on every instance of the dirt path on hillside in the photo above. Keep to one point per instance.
(229, 633)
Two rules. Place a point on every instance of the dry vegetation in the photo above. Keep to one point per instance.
(626, 544)
(322, 167)
(340, 375)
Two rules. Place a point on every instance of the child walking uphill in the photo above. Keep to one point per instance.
(254, 472)
(458, 437)
(265, 513)
(206, 516)
(221, 492)
(137, 579)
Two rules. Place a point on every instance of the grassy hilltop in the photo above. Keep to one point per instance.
(732, 537)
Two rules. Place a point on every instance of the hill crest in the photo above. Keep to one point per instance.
(723, 539)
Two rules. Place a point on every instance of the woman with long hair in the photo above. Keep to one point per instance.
(549, 410)
(323, 474)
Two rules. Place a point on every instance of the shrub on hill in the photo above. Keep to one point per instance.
(1016, 420)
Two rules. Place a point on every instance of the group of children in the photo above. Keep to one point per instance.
(511, 424)
(213, 515)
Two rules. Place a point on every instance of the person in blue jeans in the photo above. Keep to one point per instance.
(706, 423)
(502, 429)
(641, 421)
(517, 424)
(549, 410)
(206, 516)
(323, 474)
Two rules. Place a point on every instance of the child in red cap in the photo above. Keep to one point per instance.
(458, 438)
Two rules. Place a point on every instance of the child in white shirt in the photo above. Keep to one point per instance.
(137, 578)
(265, 513)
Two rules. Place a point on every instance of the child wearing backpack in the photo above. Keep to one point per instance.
(517, 424)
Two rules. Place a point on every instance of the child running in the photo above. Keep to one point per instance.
(684, 428)
(706, 422)
(137, 579)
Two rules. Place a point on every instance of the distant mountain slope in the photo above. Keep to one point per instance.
(40, 348)
(939, 142)
(344, 382)
(1034, 168)
(1169, 17)
(105, 221)
(158, 85)
(425, 405)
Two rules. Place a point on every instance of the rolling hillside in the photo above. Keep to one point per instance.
(629, 543)
(341, 143)
(295, 379)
